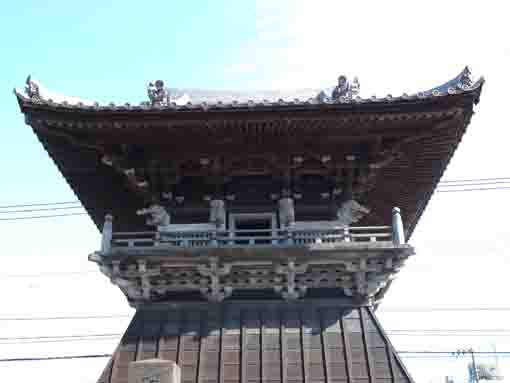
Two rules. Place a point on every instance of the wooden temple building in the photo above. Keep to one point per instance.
(255, 233)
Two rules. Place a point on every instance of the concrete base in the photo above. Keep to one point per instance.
(154, 371)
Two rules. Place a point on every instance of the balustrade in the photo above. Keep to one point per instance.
(290, 236)
(249, 238)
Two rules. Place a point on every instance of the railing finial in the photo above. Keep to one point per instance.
(398, 227)
(106, 240)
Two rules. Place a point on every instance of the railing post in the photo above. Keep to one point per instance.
(157, 238)
(397, 227)
(347, 234)
(231, 235)
(289, 236)
(214, 238)
(106, 240)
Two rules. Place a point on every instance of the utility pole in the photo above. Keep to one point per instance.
(463, 351)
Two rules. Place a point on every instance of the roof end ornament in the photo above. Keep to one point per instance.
(158, 94)
(465, 79)
(161, 96)
(32, 88)
(460, 83)
(344, 90)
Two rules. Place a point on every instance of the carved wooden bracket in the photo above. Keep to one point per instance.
(215, 292)
(291, 291)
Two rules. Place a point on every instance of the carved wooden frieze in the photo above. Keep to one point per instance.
(145, 279)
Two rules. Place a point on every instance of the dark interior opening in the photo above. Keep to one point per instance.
(261, 228)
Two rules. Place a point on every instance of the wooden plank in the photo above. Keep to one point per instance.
(368, 355)
(347, 349)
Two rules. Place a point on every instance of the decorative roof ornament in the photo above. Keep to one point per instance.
(158, 94)
(462, 82)
(345, 89)
(157, 215)
(32, 89)
(351, 212)
(465, 79)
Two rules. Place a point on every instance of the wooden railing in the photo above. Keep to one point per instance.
(250, 238)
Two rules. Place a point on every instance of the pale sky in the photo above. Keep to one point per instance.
(393, 47)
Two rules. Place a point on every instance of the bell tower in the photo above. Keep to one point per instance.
(254, 233)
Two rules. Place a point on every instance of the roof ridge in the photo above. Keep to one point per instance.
(189, 98)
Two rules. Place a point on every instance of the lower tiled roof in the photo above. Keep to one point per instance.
(261, 342)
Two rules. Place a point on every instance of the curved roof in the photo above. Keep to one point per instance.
(196, 99)
(424, 129)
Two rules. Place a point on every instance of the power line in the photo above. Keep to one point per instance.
(65, 317)
(448, 354)
(488, 334)
(58, 336)
(65, 357)
(403, 332)
(114, 337)
(41, 216)
(39, 204)
(476, 180)
(440, 189)
(443, 308)
(74, 214)
(453, 353)
(387, 310)
(36, 210)
(48, 274)
(455, 185)
(448, 330)
(90, 339)
(471, 189)
(447, 183)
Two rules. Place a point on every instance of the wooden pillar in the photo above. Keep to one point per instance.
(398, 227)
(218, 214)
(106, 240)
(349, 178)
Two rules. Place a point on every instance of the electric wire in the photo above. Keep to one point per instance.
(77, 214)
(48, 318)
(37, 210)
(63, 357)
(476, 180)
(448, 186)
(114, 337)
(47, 274)
(449, 183)
(471, 189)
(18, 317)
(40, 216)
(404, 332)
(40, 204)
(404, 353)
(445, 183)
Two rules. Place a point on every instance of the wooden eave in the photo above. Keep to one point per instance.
(408, 182)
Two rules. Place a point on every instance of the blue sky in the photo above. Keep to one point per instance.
(108, 50)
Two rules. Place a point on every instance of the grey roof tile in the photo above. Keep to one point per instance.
(199, 99)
